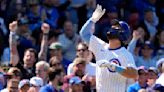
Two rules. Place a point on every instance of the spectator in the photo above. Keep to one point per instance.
(152, 77)
(141, 81)
(28, 68)
(159, 44)
(55, 78)
(36, 83)
(24, 39)
(51, 13)
(56, 64)
(146, 59)
(83, 52)
(69, 40)
(78, 70)
(41, 71)
(12, 86)
(91, 5)
(81, 11)
(79, 65)
(151, 21)
(56, 52)
(14, 73)
(35, 14)
(15, 10)
(75, 84)
(24, 85)
(61, 8)
(30, 55)
(145, 35)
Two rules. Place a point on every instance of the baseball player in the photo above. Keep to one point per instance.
(112, 59)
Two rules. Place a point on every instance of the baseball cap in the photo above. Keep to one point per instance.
(55, 45)
(141, 70)
(22, 21)
(153, 69)
(36, 81)
(159, 62)
(75, 80)
(23, 82)
(149, 44)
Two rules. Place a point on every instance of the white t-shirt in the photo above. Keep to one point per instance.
(90, 69)
(160, 80)
(4, 90)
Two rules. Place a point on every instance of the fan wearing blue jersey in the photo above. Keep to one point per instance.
(114, 63)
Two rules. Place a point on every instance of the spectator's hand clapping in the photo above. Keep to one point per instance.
(45, 28)
(13, 26)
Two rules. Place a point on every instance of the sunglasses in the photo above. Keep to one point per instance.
(81, 50)
(56, 64)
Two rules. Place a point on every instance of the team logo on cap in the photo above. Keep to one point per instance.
(115, 61)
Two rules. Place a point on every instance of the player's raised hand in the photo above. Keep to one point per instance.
(98, 13)
(13, 26)
(45, 28)
(136, 35)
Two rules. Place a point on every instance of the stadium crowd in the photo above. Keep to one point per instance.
(41, 50)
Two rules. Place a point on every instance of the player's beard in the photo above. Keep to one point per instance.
(112, 36)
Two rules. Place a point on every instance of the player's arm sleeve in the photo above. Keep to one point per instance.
(132, 46)
(85, 31)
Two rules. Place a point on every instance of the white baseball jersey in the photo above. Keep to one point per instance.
(108, 80)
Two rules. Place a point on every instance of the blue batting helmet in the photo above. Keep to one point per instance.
(119, 29)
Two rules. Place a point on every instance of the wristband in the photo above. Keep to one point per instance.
(119, 69)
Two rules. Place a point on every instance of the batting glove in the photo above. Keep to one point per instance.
(105, 63)
(98, 13)
(112, 66)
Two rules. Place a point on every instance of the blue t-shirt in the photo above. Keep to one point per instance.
(49, 88)
(65, 63)
(135, 87)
